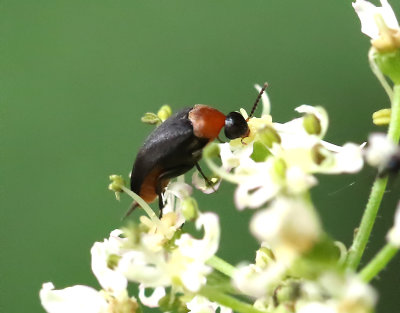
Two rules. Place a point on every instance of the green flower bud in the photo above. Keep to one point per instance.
(117, 182)
(268, 136)
(151, 118)
(112, 261)
(280, 168)
(312, 124)
(260, 152)
(317, 154)
(264, 257)
(172, 303)
(381, 117)
(190, 208)
(389, 64)
(211, 150)
(164, 112)
(288, 292)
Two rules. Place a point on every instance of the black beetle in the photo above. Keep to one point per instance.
(175, 147)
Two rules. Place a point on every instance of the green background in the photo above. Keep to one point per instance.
(76, 76)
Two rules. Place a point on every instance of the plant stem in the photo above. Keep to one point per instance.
(221, 265)
(378, 188)
(367, 222)
(236, 305)
(145, 207)
(394, 126)
(379, 262)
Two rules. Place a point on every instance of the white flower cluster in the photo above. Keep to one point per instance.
(274, 169)
(156, 256)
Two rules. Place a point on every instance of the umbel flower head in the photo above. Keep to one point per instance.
(296, 265)
(280, 159)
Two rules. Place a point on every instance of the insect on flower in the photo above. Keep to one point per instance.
(175, 147)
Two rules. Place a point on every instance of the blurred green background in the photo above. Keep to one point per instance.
(76, 76)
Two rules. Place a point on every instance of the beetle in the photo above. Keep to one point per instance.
(176, 145)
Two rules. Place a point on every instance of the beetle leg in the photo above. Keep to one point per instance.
(209, 182)
(170, 173)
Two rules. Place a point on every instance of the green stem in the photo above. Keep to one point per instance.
(221, 265)
(367, 222)
(236, 305)
(379, 262)
(394, 126)
(378, 188)
(375, 69)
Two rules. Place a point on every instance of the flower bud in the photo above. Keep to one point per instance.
(381, 117)
(164, 112)
(268, 136)
(117, 182)
(312, 124)
(190, 208)
(389, 64)
(151, 118)
(211, 150)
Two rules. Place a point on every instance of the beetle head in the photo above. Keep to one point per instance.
(235, 126)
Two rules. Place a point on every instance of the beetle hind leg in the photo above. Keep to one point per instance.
(164, 178)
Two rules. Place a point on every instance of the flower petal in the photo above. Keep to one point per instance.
(151, 301)
(77, 299)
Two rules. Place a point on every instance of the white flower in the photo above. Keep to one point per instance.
(294, 133)
(188, 261)
(77, 299)
(151, 301)
(146, 267)
(185, 264)
(113, 296)
(200, 304)
(347, 159)
(201, 184)
(101, 253)
(393, 235)
(317, 307)
(289, 226)
(84, 299)
(256, 281)
(379, 150)
(367, 12)
(231, 156)
(259, 183)
(336, 293)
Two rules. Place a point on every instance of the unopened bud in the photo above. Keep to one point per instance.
(280, 168)
(268, 136)
(264, 257)
(164, 112)
(211, 150)
(311, 124)
(151, 118)
(117, 182)
(190, 208)
(381, 117)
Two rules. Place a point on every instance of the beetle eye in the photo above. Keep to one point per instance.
(235, 126)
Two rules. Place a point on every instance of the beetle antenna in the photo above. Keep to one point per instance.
(257, 100)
